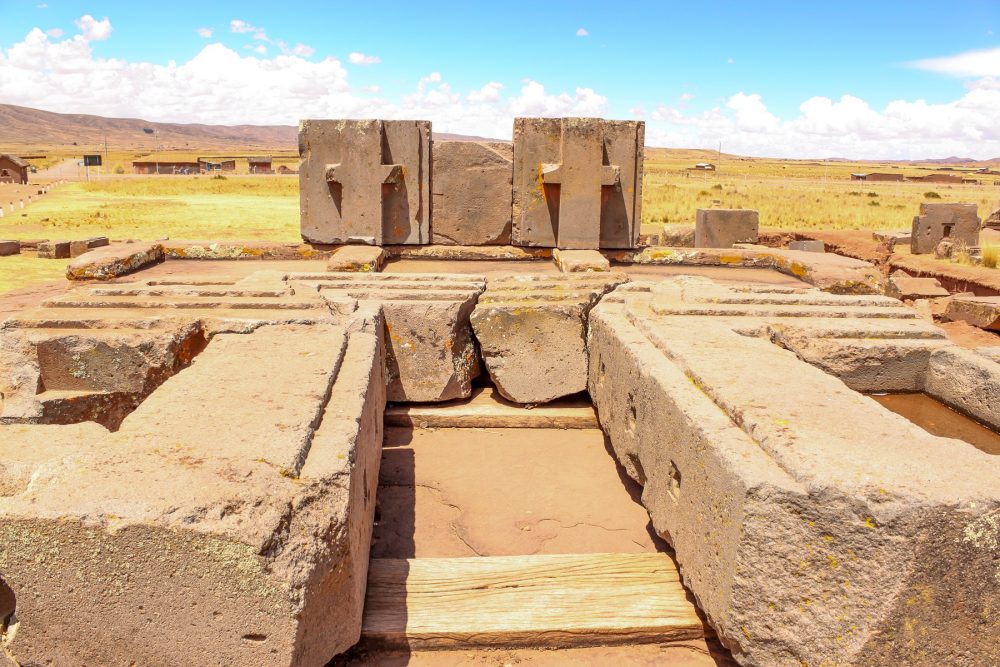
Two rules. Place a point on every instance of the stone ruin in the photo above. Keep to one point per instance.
(939, 222)
(188, 466)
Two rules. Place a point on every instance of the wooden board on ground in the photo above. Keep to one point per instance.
(518, 601)
(487, 409)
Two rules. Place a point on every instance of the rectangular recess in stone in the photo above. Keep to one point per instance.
(365, 181)
(577, 182)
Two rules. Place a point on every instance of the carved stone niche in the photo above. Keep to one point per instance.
(365, 181)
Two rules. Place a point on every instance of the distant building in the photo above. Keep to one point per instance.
(260, 165)
(165, 164)
(877, 176)
(938, 178)
(214, 164)
(702, 166)
(13, 169)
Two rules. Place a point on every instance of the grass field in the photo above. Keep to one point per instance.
(790, 194)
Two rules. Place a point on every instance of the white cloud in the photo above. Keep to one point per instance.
(582, 32)
(261, 49)
(358, 58)
(204, 32)
(93, 30)
(686, 97)
(488, 93)
(242, 27)
(982, 63)
(55, 32)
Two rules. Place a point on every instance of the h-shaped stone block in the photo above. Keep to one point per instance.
(365, 181)
(577, 182)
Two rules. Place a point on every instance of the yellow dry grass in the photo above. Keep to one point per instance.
(21, 270)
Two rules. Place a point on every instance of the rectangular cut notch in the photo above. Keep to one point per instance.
(365, 181)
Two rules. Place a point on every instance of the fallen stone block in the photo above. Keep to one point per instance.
(430, 350)
(365, 181)
(9, 248)
(532, 332)
(114, 261)
(240, 250)
(722, 228)
(979, 311)
(892, 237)
(944, 221)
(807, 246)
(677, 236)
(472, 190)
(577, 261)
(577, 182)
(54, 250)
(215, 527)
(791, 500)
(31, 244)
(365, 259)
(904, 286)
(77, 248)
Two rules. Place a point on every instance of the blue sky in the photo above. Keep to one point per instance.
(739, 73)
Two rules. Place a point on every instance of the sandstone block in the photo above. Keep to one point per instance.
(937, 222)
(677, 236)
(472, 187)
(577, 182)
(892, 237)
(979, 311)
(54, 250)
(365, 181)
(431, 353)
(9, 248)
(532, 332)
(366, 259)
(114, 261)
(807, 246)
(215, 527)
(722, 228)
(904, 286)
(580, 261)
(791, 500)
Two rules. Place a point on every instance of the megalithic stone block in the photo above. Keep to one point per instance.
(577, 182)
(365, 181)
(944, 220)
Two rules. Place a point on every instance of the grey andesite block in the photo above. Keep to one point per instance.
(54, 250)
(472, 193)
(722, 228)
(812, 525)
(365, 181)
(577, 182)
(9, 248)
(940, 221)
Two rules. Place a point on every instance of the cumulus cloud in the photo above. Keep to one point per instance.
(358, 58)
(204, 32)
(242, 27)
(298, 50)
(981, 63)
(54, 32)
(93, 30)
(582, 32)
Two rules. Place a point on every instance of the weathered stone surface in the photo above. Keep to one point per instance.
(827, 271)
(892, 237)
(214, 527)
(114, 261)
(580, 261)
(901, 285)
(944, 249)
(807, 246)
(77, 248)
(677, 236)
(577, 182)
(241, 250)
(469, 252)
(979, 311)
(940, 221)
(365, 181)
(9, 248)
(430, 350)
(53, 250)
(472, 187)
(803, 514)
(722, 228)
(367, 259)
(532, 331)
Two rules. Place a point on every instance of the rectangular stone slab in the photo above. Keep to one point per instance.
(723, 228)
(577, 182)
(365, 181)
(939, 221)
(472, 193)
(226, 522)
(810, 523)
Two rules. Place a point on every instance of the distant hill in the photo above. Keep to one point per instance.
(34, 129)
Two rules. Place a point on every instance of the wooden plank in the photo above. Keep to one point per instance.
(522, 601)
(487, 409)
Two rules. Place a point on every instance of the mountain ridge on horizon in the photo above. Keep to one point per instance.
(38, 129)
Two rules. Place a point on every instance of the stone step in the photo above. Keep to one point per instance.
(487, 409)
(528, 601)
